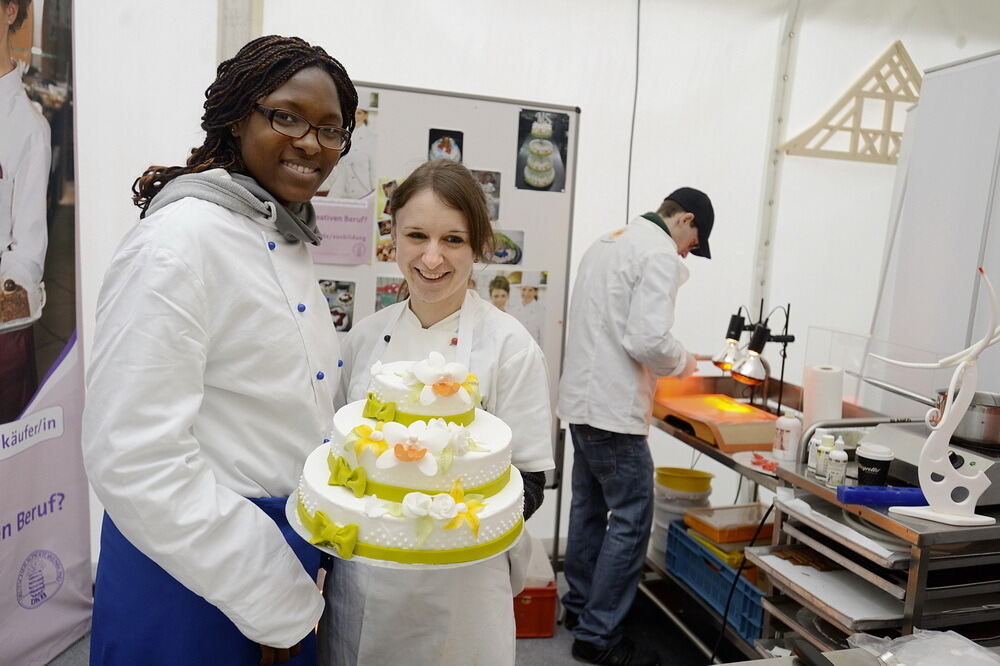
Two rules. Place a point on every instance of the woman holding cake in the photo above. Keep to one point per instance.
(450, 616)
(213, 373)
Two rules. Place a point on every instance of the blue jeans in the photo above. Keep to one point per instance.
(609, 522)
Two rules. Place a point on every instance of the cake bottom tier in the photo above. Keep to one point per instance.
(376, 534)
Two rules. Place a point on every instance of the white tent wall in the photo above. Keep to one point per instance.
(707, 76)
(833, 214)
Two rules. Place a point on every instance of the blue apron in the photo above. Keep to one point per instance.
(142, 615)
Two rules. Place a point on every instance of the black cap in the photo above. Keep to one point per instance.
(697, 202)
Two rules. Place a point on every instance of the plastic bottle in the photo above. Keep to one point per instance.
(836, 466)
(811, 459)
(822, 454)
(787, 432)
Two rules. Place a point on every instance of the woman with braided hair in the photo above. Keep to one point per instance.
(212, 377)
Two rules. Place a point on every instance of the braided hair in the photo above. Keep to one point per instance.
(259, 69)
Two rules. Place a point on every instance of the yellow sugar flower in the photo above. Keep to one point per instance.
(467, 508)
(364, 436)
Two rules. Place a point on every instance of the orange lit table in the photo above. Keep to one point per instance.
(718, 419)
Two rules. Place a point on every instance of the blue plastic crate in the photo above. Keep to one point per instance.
(711, 578)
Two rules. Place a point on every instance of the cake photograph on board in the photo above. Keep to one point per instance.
(489, 181)
(415, 475)
(541, 153)
(445, 145)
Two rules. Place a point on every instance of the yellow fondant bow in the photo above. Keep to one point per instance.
(325, 531)
(341, 474)
(380, 411)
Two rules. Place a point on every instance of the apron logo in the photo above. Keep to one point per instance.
(40, 578)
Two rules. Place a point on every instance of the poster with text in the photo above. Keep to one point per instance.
(45, 571)
(346, 228)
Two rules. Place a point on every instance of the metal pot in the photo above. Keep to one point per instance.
(981, 424)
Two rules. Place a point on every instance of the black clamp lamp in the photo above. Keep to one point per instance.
(750, 368)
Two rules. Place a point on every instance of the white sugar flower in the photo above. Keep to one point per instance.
(441, 379)
(374, 507)
(443, 507)
(416, 505)
(412, 445)
(460, 438)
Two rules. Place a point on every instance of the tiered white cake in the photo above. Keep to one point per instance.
(415, 474)
(539, 171)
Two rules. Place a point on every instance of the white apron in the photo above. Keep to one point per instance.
(382, 617)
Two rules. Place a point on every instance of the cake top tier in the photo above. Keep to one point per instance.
(407, 391)
(541, 127)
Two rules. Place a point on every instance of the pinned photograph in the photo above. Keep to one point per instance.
(490, 182)
(541, 151)
(387, 291)
(340, 297)
(445, 145)
(518, 293)
(354, 175)
(508, 247)
(383, 207)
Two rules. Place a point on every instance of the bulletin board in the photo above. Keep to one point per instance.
(531, 205)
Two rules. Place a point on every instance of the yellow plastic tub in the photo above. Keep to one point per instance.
(684, 480)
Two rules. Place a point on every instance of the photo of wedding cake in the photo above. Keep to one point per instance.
(416, 474)
(539, 170)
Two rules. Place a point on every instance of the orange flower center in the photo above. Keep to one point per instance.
(409, 452)
(445, 387)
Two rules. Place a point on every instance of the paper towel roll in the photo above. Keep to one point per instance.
(822, 394)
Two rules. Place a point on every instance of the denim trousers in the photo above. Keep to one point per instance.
(609, 522)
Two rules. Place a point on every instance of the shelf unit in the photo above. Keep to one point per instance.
(941, 576)
(927, 600)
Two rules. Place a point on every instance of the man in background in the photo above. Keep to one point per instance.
(25, 156)
(618, 344)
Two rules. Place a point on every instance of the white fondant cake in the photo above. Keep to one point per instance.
(415, 474)
(542, 128)
(445, 148)
(539, 172)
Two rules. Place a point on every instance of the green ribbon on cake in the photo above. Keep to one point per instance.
(386, 411)
(378, 410)
(341, 474)
(325, 531)
(345, 539)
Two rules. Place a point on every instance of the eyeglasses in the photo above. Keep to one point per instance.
(295, 126)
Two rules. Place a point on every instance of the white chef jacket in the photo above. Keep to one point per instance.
(212, 378)
(25, 156)
(445, 617)
(618, 339)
